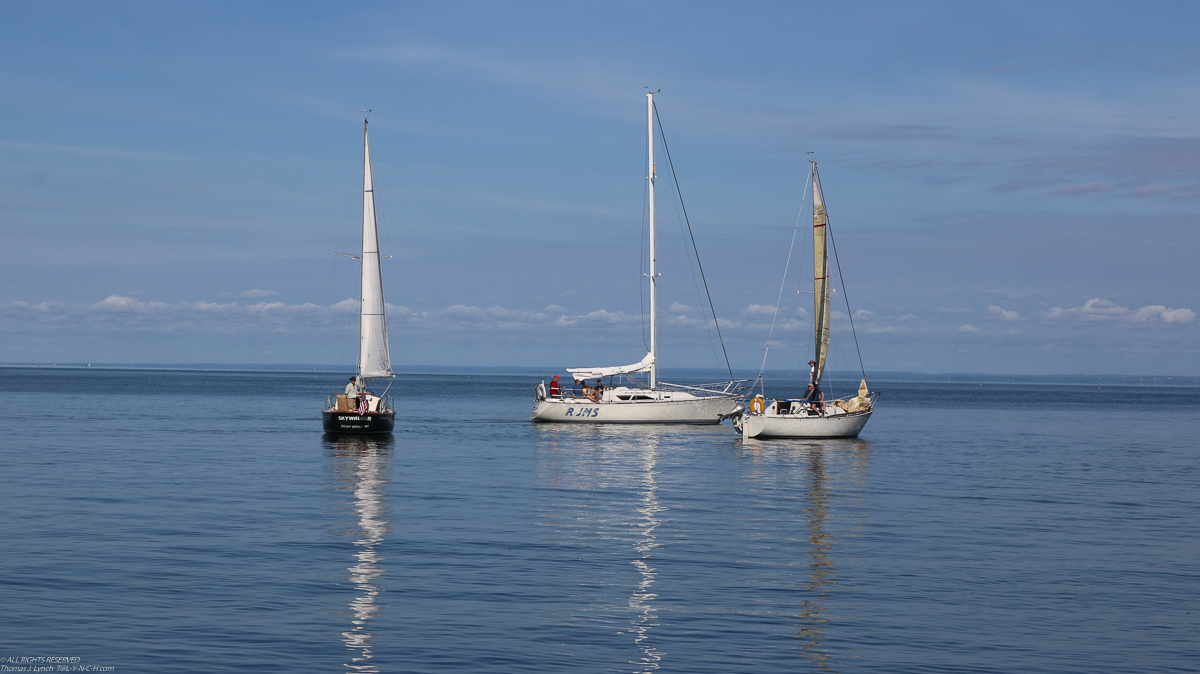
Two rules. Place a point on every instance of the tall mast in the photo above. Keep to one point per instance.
(821, 287)
(653, 274)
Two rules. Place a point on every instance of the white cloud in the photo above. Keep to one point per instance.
(1161, 313)
(969, 330)
(348, 305)
(1002, 314)
(763, 310)
(1101, 310)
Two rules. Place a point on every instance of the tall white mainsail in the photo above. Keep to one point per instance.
(821, 287)
(374, 362)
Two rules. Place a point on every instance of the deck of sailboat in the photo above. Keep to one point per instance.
(837, 425)
(638, 406)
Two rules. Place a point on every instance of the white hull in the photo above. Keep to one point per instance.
(839, 425)
(682, 408)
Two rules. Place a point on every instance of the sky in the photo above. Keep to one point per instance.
(1013, 187)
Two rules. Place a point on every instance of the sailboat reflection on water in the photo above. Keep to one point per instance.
(361, 465)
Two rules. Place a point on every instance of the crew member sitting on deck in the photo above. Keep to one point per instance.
(597, 391)
(555, 389)
(815, 398)
(577, 391)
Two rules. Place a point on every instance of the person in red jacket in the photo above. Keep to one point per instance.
(555, 389)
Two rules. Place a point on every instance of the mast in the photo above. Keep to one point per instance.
(374, 362)
(653, 275)
(821, 287)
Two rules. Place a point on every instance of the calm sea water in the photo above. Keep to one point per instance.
(158, 521)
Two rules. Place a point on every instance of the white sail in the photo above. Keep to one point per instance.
(643, 365)
(374, 362)
(821, 287)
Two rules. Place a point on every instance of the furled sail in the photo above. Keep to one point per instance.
(821, 287)
(374, 362)
(596, 372)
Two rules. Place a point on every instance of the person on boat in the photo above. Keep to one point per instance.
(815, 398)
(597, 391)
(352, 387)
(812, 372)
(555, 389)
(577, 391)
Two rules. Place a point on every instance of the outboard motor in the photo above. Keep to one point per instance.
(737, 412)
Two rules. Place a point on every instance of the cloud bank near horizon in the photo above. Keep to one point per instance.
(298, 332)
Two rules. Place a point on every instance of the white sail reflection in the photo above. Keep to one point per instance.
(646, 523)
(362, 463)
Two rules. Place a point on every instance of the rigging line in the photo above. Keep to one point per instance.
(845, 296)
(337, 245)
(620, 172)
(691, 268)
(342, 224)
(782, 283)
(378, 216)
(693, 238)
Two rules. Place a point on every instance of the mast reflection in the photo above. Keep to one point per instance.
(647, 522)
(361, 465)
(821, 572)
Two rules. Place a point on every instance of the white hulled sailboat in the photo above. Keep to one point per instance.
(811, 416)
(652, 402)
(359, 410)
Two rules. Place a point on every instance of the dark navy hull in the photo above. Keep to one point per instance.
(354, 423)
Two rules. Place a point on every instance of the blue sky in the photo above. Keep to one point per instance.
(1013, 186)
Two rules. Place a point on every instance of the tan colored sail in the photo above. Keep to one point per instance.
(821, 287)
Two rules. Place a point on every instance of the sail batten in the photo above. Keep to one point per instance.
(374, 361)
